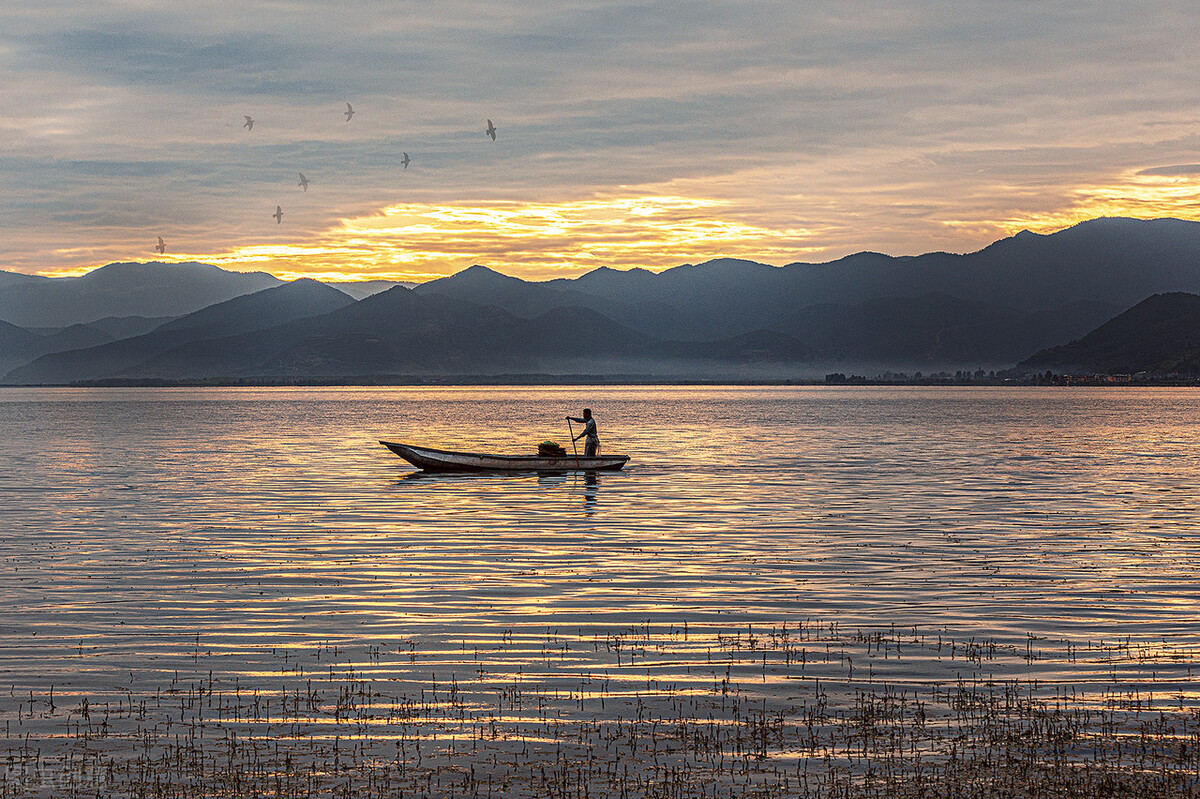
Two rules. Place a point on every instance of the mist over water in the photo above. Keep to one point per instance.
(152, 530)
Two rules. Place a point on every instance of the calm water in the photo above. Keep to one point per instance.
(151, 531)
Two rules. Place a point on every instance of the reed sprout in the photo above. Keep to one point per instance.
(684, 710)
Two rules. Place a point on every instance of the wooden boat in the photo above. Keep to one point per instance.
(438, 460)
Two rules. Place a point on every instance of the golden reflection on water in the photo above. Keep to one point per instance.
(813, 487)
(152, 531)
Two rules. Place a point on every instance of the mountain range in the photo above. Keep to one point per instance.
(123, 289)
(1102, 267)
(725, 318)
(1159, 335)
(261, 310)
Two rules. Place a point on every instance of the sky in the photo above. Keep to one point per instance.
(629, 134)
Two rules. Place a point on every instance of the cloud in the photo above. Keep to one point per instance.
(1144, 194)
(894, 126)
(1178, 170)
(538, 240)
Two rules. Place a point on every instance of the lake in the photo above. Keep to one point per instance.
(778, 584)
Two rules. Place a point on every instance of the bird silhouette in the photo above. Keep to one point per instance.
(491, 130)
(161, 246)
(349, 112)
(303, 182)
(406, 161)
(278, 215)
(249, 123)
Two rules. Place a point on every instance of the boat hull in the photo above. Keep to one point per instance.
(437, 460)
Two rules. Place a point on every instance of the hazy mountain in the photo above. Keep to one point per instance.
(401, 332)
(16, 278)
(935, 330)
(361, 289)
(128, 326)
(483, 286)
(1160, 335)
(155, 290)
(18, 345)
(1111, 261)
(1104, 265)
(12, 336)
(15, 343)
(74, 337)
(297, 300)
(723, 317)
(713, 300)
(124, 289)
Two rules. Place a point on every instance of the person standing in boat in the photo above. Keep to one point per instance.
(592, 446)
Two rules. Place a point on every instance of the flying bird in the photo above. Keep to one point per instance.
(349, 112)
(303, 182)
(249, 123)
(406, 161)
(161, 246)
(278, 215)
(491, 130)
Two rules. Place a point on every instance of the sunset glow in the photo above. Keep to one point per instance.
(1140, 194)
(418, 242)
(809, 133)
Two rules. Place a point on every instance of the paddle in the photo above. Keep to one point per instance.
(573, 446)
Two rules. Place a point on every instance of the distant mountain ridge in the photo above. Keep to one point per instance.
(18, 345)
(726, 318)
(263, 309)
(1160, 335)
(397, 331)
(1108, 263)
(16, 278)
(934, 329)
(997, 305)
(128, 290)
(152, 289)
(361, 289)
(401, 332)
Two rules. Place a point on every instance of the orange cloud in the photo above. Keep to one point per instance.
(422, 241)
(676, 224)
(1144, 194)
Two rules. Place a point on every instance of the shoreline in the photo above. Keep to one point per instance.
(1106, 381)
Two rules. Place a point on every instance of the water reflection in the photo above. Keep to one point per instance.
(1034, 528)
(586, 484)
(421, 476)
(590, 484)
(991, 512)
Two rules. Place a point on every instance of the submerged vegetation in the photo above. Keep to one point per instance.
(712, 711)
